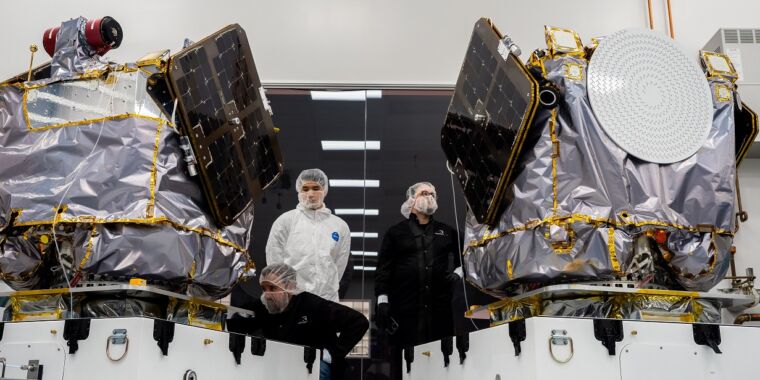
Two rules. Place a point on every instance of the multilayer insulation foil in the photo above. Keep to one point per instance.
(93, 186)
(581, 208)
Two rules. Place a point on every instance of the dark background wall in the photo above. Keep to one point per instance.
(407, 123)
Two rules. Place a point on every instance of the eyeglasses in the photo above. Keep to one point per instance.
(425, 193)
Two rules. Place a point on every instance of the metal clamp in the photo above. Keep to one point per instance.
(560, 338)
(33, 369)
(506, 46)
(118, 337)
(188, 156)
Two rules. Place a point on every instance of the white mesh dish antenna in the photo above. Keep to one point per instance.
(649, 96)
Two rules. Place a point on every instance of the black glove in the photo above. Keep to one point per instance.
(383, 316)
(453, 278)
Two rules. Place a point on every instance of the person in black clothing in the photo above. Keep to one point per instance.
(415, 276)
(288, 315)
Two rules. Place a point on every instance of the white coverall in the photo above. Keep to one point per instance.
(314, 242)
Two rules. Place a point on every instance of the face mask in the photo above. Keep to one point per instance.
(311, 199)
(426, 205)
(276, 302)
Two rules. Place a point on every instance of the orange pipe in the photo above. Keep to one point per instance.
(746, 318)
(649, 12)
(670, 22)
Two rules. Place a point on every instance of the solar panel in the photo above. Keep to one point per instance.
(487, 121)
(745, 121)
(224, 115)
(39, 72)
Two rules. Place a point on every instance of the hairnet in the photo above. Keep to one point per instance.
(315, 175)
(412, 190)
(281, 275)
(406, 207)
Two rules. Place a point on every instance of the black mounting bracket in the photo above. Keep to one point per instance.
(75, 330)
(447, 348)
(707, 335)
(2, 328)
(608, 331)
(409, 358)
(518, 334)
(463, 345)
(309, 356)
(163, 334)
(237, 346)
(258, 346)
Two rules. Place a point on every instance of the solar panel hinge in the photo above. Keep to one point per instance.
(188, 156)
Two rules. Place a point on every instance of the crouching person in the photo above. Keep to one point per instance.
(288, 315)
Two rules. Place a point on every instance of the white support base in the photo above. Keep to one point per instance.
(648, 351)
(205, 352)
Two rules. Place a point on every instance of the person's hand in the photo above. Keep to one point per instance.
(326, 357)
(383, 316)
(452, 278)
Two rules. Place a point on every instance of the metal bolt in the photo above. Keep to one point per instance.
(207, 341)
(53, 331)
(634, 332)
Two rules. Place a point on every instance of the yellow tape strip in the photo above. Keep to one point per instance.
(555, 156)
(575, 218)
(611, 246)
(696, 309)
(193, 267)
(663, 292)
(86, 121)
(146, 221)
(88, 252)
(42, 315)
(149, 212)
(38, 292)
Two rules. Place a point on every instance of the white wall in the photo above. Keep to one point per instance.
(747, 240)
(389, 42)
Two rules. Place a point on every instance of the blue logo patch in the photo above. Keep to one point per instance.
(335, 236)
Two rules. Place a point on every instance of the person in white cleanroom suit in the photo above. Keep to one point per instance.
(311, 239)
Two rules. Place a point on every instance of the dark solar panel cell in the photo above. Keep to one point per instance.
(232, 135)
(492, 107)
(746, 130)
